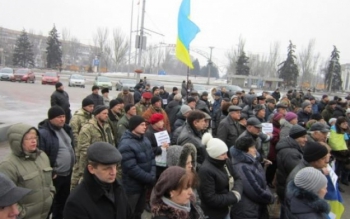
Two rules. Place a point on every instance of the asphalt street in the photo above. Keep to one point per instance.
(28, 103)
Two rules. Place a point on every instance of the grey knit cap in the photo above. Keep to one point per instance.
(310, 179)
(184, 109)
(297, 131)
(305, 104)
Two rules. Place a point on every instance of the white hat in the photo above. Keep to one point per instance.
(215, 146)
(347, 110)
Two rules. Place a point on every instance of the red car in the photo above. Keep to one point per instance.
(24, 74)
(50, 78)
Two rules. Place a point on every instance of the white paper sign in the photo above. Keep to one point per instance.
(161, 159)
(267, 127)
(162, 137)
(331, 215)
(165, 101)
(333, 175)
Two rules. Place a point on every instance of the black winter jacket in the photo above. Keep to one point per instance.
(89, 201)
(180, 121)
(302, 204)
(172, 109)
(217, 118)
(137, 96)
(150, 135)
(97, 99)
(138, 164)
(214, 187)
(303, 118)
(289, 154)
(49, 141)
(338, 112)
(256, 195)
(228, 131)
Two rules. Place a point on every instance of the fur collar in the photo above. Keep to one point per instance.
(161, 209)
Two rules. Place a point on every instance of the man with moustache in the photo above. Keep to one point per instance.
(96, 130)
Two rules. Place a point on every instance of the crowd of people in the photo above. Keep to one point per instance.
(179, 155)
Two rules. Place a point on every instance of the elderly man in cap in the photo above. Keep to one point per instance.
(81, 117)
(181, 116)
(99, 195)
(126, 95)
(172, 95)
(123, 123)
(318, 132)
(60, 98)
(270, 107)
(138, 164)
(200, 104)
(96, 130)
(287, 123)
(10, 195)
(304, 115)
(260, 112)
(156, 107)
(56, 140)
(144, 103)
(115, 113)
(229, 128)
(95, 97)
(289, 154)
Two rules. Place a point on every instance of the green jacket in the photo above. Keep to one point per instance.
(113, 122)
(31, 171)
(89, 134)
(327, 113)
(79, 118)
(123, 125)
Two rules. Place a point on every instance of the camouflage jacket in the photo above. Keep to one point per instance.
(140, 108)
(80, 118)
(113, 122)
(123, 125)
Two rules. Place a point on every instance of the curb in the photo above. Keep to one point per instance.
(3, 131)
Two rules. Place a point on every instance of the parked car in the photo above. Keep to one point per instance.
(199, 88)
(6, 74)
(103, 82)
(232, 89)
(24, 74)
(50, 78)
(76, 80)
(131, 83)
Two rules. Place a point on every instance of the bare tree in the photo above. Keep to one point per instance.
(120, 46)
(308, 62)
(274, 58)
(232, 56)
(100, 39)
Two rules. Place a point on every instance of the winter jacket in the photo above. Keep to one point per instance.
(180, 120)
(274, 140)
(123, 125)
(151, 110)
(259, 140)
(201, 105)
(248, 109)
(256, 195)
(289, 154)
(216, 105)
(141, 107)
(177, 155)
(268, 113)
(189, 135)
(172, 109)
(285, 128)
(151, 137)
(171, 97)
(128, 98)
(184, 90)
(327, 113)
(31, 171)
(302, 204)
(97, 99)
(160, 210)
(216, 119)
(89, 201)
(80, 118)
(338, 112)
(61, 98)
(321, 106)
(301, 165)
(214, 187)
(228, 131)
(276, 95)
(113, 122)
(314, 108)
(296, 102)
(164, 96)
(137, 96)
(138, 164)
(303, 118)
(49, 141)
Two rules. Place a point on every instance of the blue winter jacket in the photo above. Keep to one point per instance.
(138, 164)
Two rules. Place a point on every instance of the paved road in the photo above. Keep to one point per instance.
(28, 103)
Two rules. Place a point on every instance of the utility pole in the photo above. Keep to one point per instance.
(210, 64)
(130, 39)
(141, 38)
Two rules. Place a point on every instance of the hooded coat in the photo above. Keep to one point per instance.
(289, 154)
(302, 204)
(31, 171)
(256, 195)
(177, 155)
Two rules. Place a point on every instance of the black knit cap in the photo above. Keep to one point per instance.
(58, 84)
(135, 121)
(314, 151)
(98, 109)
(54, 112)
(115, 102)
(86, 102)
(244, 143)
(297, 131)
(95, 88)
(128, 107)
(175, 89)
(155, 99)
(105, 90)
(103, 153)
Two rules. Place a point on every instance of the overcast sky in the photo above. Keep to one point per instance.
(259, 22)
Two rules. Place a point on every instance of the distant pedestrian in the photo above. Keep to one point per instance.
(105, 93)
(60, 98)
(126, 95)
(95, 97)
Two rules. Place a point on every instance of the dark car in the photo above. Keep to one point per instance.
(50, 78)
(24, 74)
(6, 74)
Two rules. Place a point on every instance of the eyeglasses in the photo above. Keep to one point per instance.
(31, 138)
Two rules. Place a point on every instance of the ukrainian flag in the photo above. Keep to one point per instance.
(334, 198)
(187, 31)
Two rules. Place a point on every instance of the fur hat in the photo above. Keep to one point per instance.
(244, 143)
(105, 90)
(127, 107)
(310, 179)
(177, 155)
(215, 146)
(54, 112)
(115, 102)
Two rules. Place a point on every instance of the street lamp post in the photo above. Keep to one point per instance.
(210, 64)
(130, 39)
(141, 38)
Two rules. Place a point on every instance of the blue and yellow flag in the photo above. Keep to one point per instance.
(334, 198)
(187, 31)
